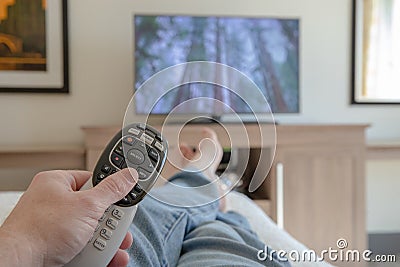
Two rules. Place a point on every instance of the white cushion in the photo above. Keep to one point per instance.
(266, 229)
(7, 202)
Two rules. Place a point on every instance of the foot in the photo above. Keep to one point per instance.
(208, 156)
(207, 160)
(178, 159)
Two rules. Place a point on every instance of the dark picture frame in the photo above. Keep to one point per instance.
(359, 93)
(54, 76)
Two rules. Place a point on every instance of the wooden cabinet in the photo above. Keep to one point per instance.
(320, 168)
(322, 171)
(18, 165)
(321, 197)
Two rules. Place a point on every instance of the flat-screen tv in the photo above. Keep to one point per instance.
(265, 49)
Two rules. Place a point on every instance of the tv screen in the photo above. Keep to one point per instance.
(264, 49)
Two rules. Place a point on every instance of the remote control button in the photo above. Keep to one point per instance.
(97, 228)
(134, 131)
(119, 150)
(116, 159)
(125, 201)
(105, 233)
(135, 156)
(113, 171)
(133, 195)
(123, 165)
(100, 244)
(159, 146)
(106, 168)
(138, 188)
(129, 140)
(101, 176)
(147, 138)
(148, 166)
(143, 175)
(152, 131)
(153, 154)
(141, 145)
(158, 137)
(102, 217)
(111, 223)
(117, 213)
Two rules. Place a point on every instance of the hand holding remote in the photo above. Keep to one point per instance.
(49, 225)
(53, 221)
(137, 146)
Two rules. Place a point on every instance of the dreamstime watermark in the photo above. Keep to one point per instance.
(338, 254)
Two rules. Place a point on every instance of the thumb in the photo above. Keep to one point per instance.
(115, 186)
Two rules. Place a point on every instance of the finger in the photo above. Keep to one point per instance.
(79, 178)
(115, 186)
(127, 242)
(121, 258)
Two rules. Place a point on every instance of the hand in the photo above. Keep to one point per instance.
(53, 221)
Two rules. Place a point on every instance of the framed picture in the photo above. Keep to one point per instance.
(34, 46)
(376, 52)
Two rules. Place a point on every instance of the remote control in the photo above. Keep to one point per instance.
(137, 146)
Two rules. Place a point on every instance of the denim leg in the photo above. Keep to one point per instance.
(226, 241)
(159, 229)
(171, 235)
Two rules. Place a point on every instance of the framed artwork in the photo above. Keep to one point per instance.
(33, 46)
(376, 52)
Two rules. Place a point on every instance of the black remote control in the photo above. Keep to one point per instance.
(137, 146)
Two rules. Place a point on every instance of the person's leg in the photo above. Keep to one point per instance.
(226, 241)
(165, 235)
(159, 228)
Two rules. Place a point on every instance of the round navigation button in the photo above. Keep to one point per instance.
(135, 156)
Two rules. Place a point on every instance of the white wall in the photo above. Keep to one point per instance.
(383, 193)
(101, 69)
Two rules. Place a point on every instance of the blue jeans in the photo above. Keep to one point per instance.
(166, 235)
